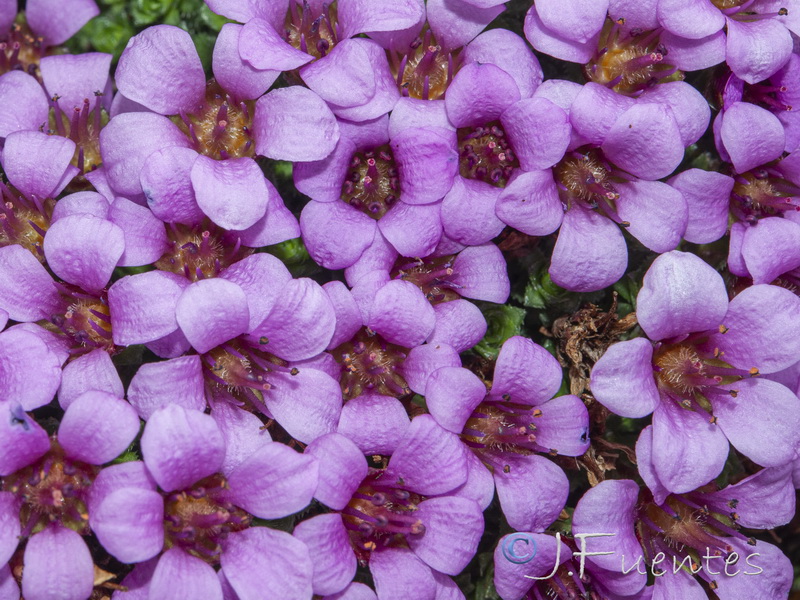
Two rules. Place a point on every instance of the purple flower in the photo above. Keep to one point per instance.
(202, 515)
(51, 22)
(264, 322)
(379, 357)
(699, 375)
(506, 426)
(205, 166)
(777, 94)
(352, 75)
(477, 272)
(678, 536)
(627, 48)
(618, 149)
(378, 189)
(759, 33)
(402, 520)
(45, 487)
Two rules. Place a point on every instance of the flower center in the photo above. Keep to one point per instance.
(629, 62)
(431, 275)
(86, 320)
(221, 128)
(585, 176)
(371, 363)
(485, 154)
(21, 51)
(502, 427)
(688, 527)
(201, 251)
(24, 221)
(197, 520)
(424, 72)
(371, 184)
(314, 34)
(82, 125)
(52, 489)
(381, 515)
(762, 193)
(243, 371)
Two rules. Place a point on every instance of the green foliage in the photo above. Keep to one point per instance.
(503, 322)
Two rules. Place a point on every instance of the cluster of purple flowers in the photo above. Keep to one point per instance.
(181, 417)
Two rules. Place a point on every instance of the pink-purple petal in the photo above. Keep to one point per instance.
(402, 314)
(411, 229)
(328, 542)
(179, 380)
(480, 272)
(508, 51)
(530, 203)
(532, 493)
(424, 360)
(126, 143)
(645, 141)
(301, 324)
(399, 575)
(166, 183)
(142, 306)
(232, 72)
(453, 528)
(590, 252)
(459, 323)
(35, 163)
(451, 394)
(23, 103)
(161, 70)
(294, 124)
(181, 447)
(778, 416)
(260, 558)
(343, 77)
(427, 162)
(212, 311)
(30, 372)
(526, 372)
(752, 136)
(756, 49)
(622, 379)
(657, 213)
(58, 566)
(756, 319)
(22, 440)
(468, 212)
(129, 523)
(335, 233)
(574, 19)
(83, 250)
(429, 459)
(97, 427)
(342, 468)
(274, 481)
(707, 195)
(680, 294)
(58, 20)
(478, 94)
(144, 233)
(374, 423)
(307, 405)
(180, 575)
(263, 48)
(688, 449)
(363, 16)
(95, 371)
(233, 193)
(75, 78)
